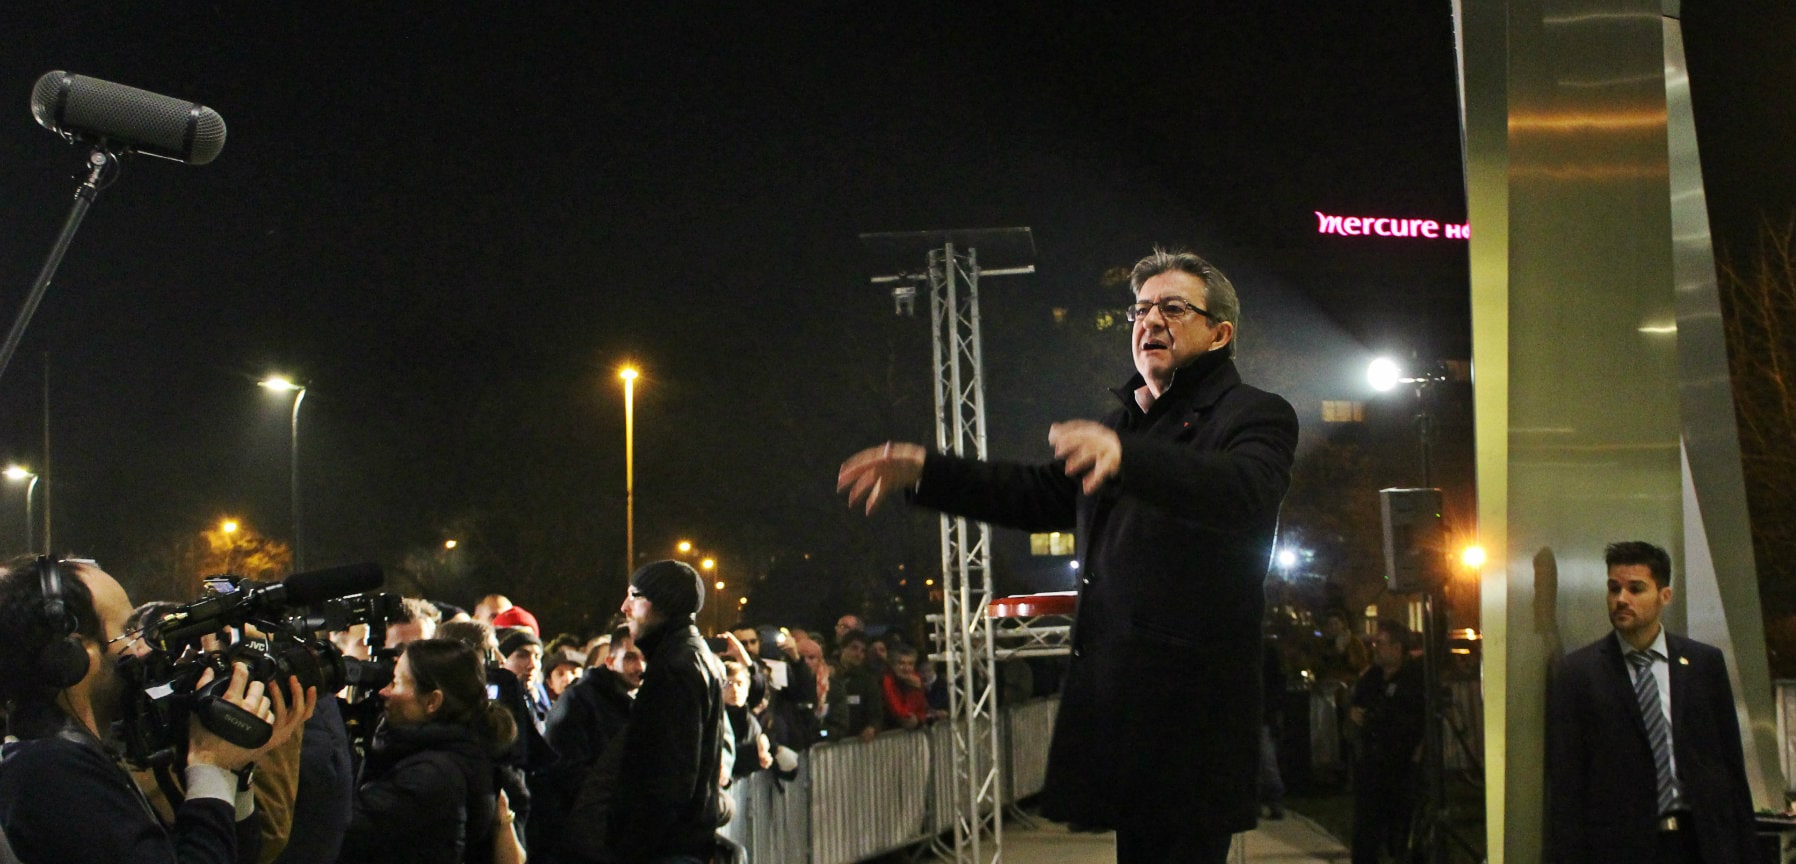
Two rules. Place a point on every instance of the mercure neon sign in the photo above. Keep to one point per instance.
(1380, 226)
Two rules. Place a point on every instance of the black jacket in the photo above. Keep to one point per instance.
(426, 795)
(856, 701)
(64, 799)
(1602, 786)
(587, 717)
(1395, 719)
(1161, 705)
(672, 752)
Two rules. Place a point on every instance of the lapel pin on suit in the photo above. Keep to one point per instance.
(1683, 661)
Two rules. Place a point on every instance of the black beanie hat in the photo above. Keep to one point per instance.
(673, 586)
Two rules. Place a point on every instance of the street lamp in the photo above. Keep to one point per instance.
(629, 374)
(229, 528)
(282, 384)
(1384, 374)
(708, 565)
(17, 473)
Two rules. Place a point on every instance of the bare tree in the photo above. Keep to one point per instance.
(1759, 306)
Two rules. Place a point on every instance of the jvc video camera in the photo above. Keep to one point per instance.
(266, 627)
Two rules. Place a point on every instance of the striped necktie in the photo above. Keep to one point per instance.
(1658, 731)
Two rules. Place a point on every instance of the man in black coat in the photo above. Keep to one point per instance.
(1389, 712)
(1610, 798)
(584, 721)
(1175, 501)
(671, 760)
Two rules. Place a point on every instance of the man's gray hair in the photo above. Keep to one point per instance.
(1219, 292)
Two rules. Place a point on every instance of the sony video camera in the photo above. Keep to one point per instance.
(274, 636)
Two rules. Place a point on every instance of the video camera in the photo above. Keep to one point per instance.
(277, 624)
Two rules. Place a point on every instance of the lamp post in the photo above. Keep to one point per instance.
(709, 565)
(282, 384)
(628, 373)
(16, 473)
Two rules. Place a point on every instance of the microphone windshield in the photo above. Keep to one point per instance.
(94, 110)
(313, 586)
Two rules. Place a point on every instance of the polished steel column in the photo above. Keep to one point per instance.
(1721, 594)
(1589, 394)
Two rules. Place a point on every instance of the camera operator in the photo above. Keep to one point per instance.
(427, 791)
(63, 794)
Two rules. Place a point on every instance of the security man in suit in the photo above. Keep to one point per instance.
(1643, 747)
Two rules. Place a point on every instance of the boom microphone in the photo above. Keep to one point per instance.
(312, 586)
(89, 109)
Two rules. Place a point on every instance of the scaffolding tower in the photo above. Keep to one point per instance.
(952, 270)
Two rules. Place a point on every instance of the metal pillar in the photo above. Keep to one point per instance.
(957, 364)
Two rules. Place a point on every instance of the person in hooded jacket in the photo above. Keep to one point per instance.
(427, 790)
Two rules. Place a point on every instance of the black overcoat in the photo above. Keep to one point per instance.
(1602, 786)
(1160, 709)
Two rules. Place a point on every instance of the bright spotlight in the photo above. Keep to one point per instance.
(1287, 558)
(1383, 374)
(1473, 557)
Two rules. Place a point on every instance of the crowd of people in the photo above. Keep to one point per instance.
(487, 742)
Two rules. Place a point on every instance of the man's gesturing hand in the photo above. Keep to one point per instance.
(877, 472)
(1091, 450)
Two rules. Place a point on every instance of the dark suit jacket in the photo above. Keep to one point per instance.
(1161, 707)
(1602, 787)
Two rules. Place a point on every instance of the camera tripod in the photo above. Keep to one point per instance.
(1431, 826)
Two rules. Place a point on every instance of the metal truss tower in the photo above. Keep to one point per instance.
(953, 269)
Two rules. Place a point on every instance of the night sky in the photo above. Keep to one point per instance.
(456, 224)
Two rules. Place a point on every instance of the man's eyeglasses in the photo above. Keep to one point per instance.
(1171, 310)
(130, 638)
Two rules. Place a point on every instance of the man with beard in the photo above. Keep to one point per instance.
(1643, 746)
(1174, 497)
(655, 794)
(63, 794)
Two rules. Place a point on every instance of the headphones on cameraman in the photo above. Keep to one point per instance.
(63, 662)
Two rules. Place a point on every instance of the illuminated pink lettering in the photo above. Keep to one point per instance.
(1384, 226)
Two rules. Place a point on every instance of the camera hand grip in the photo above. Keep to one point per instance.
(232, 723)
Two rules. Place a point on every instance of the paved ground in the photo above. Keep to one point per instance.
(1292, 840)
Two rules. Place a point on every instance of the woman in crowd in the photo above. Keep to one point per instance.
(427, 793)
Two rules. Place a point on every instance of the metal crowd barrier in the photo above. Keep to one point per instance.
(1027, 729)
(853, 800)
(869, 798)
(773, 815)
